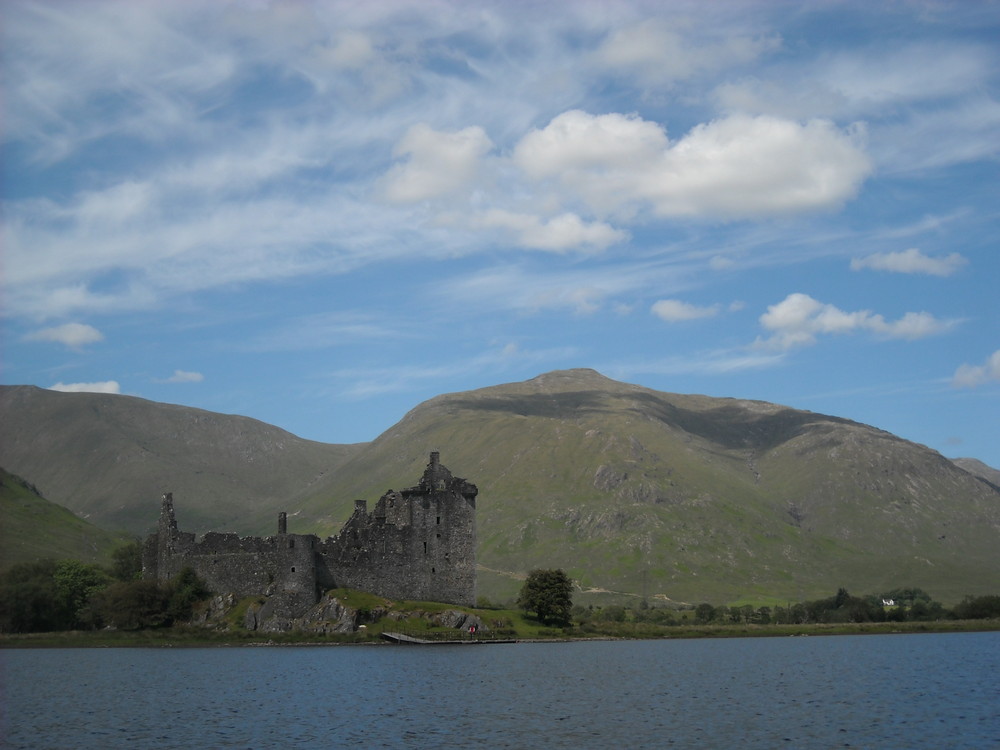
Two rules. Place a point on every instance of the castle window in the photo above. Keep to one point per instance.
(439, 520)
(438, 536)
(293, 568)
(425, 548)
(433, 570)
(291, 543)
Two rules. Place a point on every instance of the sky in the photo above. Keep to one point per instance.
(321, 214)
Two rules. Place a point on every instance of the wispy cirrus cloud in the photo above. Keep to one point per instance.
(704, 362)
(368, 382)
(910, 261)
(303, 189)
(660, 52)
(184, 376)
(675, 310)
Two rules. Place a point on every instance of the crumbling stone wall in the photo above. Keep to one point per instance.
(418, 543)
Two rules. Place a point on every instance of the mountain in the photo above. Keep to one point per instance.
(688, 497)
(33, 528)
(978, 469)
(634, 492)
(108, 458)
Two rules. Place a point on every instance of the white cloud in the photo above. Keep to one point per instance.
(566, 231)
(862, 84)
(73, 335)
(799, 319)
(912, 326)
(920, 116)
(673, 310)
(910, 261)
(661, 52)
(437, 162)
(971, 376)
(577, 140)
(106, 386)
(730, 168)
(183, 376)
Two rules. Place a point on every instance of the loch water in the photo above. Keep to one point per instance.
(873, 691)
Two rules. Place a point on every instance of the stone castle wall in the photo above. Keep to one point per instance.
(418, 543)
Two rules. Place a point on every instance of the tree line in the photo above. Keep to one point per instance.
(50, 595)
(55, 595)
(907, 605)
(548, 593)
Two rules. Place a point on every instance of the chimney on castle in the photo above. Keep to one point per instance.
(435, 459)
(282, 523)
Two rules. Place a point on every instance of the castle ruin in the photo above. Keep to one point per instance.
(418, 544)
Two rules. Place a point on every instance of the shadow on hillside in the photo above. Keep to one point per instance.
(729, 425)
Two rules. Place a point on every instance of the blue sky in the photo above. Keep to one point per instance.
(320, 214)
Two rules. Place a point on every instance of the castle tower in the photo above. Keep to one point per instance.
(158, 549)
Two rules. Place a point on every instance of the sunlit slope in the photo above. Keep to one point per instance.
(686, 497)
(32, 528)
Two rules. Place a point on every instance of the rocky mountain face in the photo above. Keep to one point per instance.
(979, 469)
(636, 493)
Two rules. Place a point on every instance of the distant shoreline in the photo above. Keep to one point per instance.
(198, 638)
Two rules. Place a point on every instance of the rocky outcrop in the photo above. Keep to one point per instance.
(329, 616)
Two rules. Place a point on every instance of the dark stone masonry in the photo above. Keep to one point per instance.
(418, 544)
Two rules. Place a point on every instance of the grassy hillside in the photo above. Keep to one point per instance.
(636, 493)
(108, 458)
(32, 528)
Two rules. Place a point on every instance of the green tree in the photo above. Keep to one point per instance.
(185, 589)
(978, 608)
(126, 562)
(547, 593)
(48, 595)
(28, 600)
(131, 605)
(704, 612)
(75, 584)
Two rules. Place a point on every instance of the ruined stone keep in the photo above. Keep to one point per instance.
(418, 543)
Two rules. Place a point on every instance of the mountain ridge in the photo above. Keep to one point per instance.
(682, 497)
